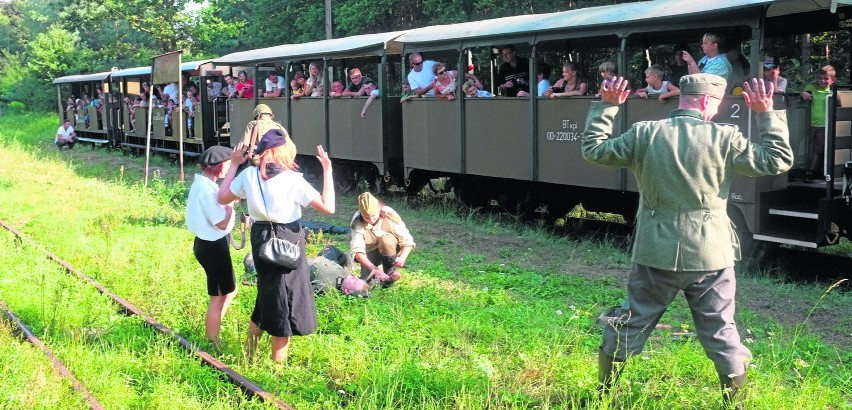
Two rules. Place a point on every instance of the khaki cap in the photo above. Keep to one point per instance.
(703, 84)
(368, 204)
(262, 109)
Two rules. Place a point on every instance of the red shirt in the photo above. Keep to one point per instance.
(247, 88)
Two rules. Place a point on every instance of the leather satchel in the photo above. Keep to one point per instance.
(278, 251)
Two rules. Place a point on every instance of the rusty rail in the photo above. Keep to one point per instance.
(246, 385)
(57, 364)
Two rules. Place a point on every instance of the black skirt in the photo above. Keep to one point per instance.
(215, 258)
(285, 303)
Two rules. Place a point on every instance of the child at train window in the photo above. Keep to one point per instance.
(609, 75)
(297, 83)
(471, 89)
(337, 88)
(373, 91)
(407, 93)
(657, 87)
(169, 108)
(137, 102)
(817, 92)
(188, 106)
(82, 106)
(210, 223)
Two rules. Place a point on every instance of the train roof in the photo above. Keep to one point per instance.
(82, 78)
(144, 70)
(354, 46)
(604, 20)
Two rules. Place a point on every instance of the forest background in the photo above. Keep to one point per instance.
(44, 39)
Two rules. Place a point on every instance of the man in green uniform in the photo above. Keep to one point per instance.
(684, 165)
(263, 121)
(327, 275)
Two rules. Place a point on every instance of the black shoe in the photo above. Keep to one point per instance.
(809, 176)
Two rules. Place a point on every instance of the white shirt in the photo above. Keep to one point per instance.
(203, 211)
(285, 194)
(782, 85)
(172, 91)
(316, 83)
(423, 78)
(216, 89)
(65, 133)
(279, 84)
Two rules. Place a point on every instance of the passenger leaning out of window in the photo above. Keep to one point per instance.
(356, 86)
(570, 85)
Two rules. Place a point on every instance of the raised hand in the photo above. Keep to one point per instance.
(241, 154)
(687, 58)
(323, 158)
(616, 95)
(756, 96)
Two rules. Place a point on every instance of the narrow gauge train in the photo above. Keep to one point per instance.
(117, 124)
(523, 153)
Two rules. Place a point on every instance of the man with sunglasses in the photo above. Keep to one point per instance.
(421, 77)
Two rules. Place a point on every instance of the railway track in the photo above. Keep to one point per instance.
(57, 364)
(247, 386)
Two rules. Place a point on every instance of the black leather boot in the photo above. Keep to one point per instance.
(609, 370)
(730, 387)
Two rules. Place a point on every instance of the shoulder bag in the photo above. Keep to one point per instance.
(278, 250)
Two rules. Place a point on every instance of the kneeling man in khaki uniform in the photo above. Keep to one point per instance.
(380, 241)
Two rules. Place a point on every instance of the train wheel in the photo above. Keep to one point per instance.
(415, 183)
(367, 178)
(517, 203)
(473, 195)
(344, 178)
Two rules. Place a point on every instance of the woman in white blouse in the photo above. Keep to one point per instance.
(276, 193)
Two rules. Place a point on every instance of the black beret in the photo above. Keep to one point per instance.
(216, 154)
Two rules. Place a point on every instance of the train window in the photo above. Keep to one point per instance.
(586, 54)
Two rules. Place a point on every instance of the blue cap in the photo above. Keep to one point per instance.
(273, 138)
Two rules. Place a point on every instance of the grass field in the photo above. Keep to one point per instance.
(489, 314)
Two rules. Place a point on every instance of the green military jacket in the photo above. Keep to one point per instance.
(684, 166)
(325, 274)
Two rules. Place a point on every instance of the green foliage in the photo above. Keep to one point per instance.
(16, 107)
(9, 41)
(56, 52)
(12, 72)
(488, 315)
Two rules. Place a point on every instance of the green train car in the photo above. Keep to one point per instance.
(523, 153)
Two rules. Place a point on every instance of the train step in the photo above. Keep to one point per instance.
(93, 140)
(796, 212)
(787, 237)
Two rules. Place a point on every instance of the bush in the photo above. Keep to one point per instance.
(35, 94)
(16, 107)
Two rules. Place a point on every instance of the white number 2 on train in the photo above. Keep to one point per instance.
(736, 113)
